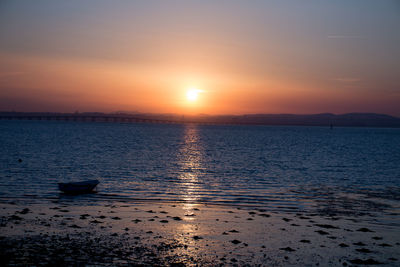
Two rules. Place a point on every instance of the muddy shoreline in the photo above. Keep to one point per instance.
(187, 234)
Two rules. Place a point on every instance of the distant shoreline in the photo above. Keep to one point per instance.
(323, 119)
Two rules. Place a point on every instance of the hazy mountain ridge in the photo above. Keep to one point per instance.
(322, 119)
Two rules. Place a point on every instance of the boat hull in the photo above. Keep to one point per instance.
(78, 187)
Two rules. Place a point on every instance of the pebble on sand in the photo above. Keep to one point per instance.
(365, 230)
(327, 226)
(322, 232)
(359, 244)
(364, 250)
(365, 262)
(288, 249)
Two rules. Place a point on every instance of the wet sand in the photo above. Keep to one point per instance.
(166, 234)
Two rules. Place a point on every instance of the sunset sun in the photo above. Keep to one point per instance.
(192, 94)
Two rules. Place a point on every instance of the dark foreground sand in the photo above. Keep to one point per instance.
(154, 234)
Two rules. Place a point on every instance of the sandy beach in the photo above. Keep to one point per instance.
(117, 233)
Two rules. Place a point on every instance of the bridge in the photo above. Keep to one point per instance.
(119, 118)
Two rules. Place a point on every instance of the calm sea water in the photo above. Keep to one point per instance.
(290, 168)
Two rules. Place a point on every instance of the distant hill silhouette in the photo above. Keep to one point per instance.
(349, 119)
(323, 119)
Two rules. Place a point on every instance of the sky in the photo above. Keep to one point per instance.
(234, 57)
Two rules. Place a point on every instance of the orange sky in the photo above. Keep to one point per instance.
(245, 58)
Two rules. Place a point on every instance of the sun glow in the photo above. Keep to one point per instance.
(192, 94)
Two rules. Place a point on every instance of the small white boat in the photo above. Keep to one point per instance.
(78, 187)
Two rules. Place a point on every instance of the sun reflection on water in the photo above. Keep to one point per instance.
(190, 162)
(190, 167)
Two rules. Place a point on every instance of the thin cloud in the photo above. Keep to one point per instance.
(345, 37)
(347, 80)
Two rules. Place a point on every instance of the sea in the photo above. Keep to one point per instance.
(278, 168)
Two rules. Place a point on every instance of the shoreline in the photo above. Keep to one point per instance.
(186, 234)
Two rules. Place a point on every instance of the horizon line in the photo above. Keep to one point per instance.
(198, 114)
